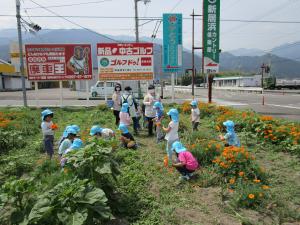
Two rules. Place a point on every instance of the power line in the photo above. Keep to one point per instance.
(277, 8)
(67, 5)
(176, 5)
(157, 18)
(70, 21)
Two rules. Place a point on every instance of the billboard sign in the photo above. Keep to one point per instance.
(47, 62)
(172, 42)
(125, 61)
(211, 35)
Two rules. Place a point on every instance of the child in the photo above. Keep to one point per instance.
(106, 133)
(124, 115)
(186, 163)
(230, 137)
(70, 134)
(158, 119)
(76, 145)
(48, 131)
(195, 115)
(172, 131)
(127, 140)
(65, 134)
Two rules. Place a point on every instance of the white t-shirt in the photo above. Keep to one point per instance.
(64, 146)
(106, 133)
(46, 128)
(173, 133)
(196, 115)
(149, 101)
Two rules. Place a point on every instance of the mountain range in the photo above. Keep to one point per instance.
(283, 58)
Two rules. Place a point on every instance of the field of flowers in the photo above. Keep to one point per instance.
(257, 183)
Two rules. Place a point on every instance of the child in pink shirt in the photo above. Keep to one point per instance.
(124, 115)
(186, 163)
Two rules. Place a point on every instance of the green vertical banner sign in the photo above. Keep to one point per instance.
(211, 35)
(172, 42)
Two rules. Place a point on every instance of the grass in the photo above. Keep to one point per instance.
(149, 193)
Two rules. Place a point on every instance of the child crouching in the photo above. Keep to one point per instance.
(76, 145)
(127, 140)
(186, 163)
(97, 131)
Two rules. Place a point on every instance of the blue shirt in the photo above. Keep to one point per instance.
(232, 139)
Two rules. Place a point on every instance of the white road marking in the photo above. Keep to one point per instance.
(284, 106)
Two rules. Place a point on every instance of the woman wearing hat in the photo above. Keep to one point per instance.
(150, 113)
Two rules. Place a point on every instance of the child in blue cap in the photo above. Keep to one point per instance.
(98, 131)
(195, 115)
(48, 131)
(158, 119)
(186, 163)
(76, 145)
(127, 140)
(67, 142)
(230, 137)
(65, 134)
(172, 131)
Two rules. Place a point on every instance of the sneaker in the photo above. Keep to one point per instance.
(184, 178)
(190, 175)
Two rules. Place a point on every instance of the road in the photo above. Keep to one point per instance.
(276, 104)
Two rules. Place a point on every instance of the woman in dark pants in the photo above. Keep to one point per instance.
(150, 113)
(117, 102)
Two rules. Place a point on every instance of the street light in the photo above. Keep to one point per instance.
(137, 39)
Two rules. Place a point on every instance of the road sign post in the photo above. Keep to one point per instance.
(211, 38)
(172, 46)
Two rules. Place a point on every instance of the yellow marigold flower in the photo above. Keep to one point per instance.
(251, 196)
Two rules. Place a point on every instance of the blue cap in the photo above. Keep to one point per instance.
(95, 129)
(228, 123)
(178, 147)
(174, 115)
(123, 128)
(194, 103)
(158, 105)
(65, 133)
(71, 131)
(76, 127)
(46, 112)
(77, 144)
(125, 107)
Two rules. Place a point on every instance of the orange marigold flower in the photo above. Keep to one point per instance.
(265, 187)
(256, 181)
(241, 173)
(232, 181)
(251, 196)
(230, 190)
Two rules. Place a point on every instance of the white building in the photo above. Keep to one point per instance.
(254, 81)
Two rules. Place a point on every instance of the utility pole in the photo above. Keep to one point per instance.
(18, 15)
(193, 53)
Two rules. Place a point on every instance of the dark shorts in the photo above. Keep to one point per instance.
(48, 144)
(195, 125)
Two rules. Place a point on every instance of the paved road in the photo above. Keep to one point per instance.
(278, 105)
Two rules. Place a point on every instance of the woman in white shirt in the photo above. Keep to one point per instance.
(117, 99)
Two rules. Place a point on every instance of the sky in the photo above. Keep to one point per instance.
(234, 35)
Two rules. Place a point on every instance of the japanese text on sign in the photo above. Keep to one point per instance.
(125, 61)
(58, 62)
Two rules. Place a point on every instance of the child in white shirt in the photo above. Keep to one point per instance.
(195, 114)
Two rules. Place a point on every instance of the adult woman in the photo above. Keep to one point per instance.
(149, 101)
(117, 102)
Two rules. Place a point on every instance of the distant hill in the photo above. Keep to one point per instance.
(247, 52)
(281, 67)
(290, 51)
